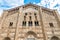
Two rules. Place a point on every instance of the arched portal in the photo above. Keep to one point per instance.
(54, 38)
(31, 37)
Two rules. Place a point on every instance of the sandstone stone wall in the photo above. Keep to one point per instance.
(18, 32)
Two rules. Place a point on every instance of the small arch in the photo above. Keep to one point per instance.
(7, 38)
(55, 38)
(31, 33)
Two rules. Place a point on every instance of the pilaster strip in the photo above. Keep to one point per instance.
(16, 27)
(56, 17)
(40, 14)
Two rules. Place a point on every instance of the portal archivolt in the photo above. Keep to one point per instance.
(30, 35)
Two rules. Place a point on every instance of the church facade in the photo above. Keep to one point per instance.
(30, 22)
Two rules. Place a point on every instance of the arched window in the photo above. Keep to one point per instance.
(24, 17)
(11, 24)
(35, 14)
(7, 38)
(30, 17)
(35, 17)
(51, 24)
(36, 23)
(24, 23)
(30, 23)
(54, 38)
(25, 13)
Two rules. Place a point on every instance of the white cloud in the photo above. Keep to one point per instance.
(50, 4)
(14, 3)
(7, 4)
(34, 3)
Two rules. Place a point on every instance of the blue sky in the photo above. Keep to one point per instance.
(31, 1)
(8, 4)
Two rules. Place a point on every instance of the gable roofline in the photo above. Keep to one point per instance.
(29, 5)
